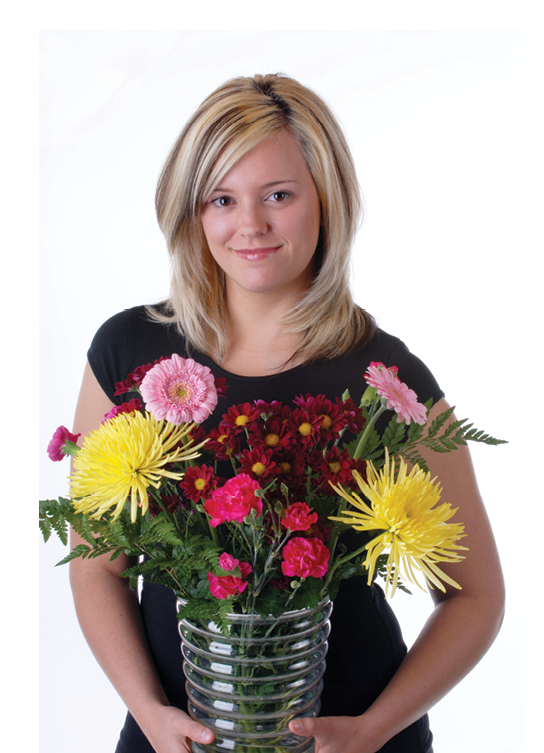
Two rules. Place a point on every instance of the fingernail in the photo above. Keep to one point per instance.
(297, 726)
(206, 737)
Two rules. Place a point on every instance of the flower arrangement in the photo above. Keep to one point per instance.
(250, 517)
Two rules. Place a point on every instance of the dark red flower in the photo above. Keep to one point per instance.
(221, 386)
(268, 410)
(337, 466)
(291, 467)
(172, 503)
(303, 427)
(134, 379)
(238, 417)
(129, 407)
(332, 417)
(271, 434)
(353, 415)
(198, 482)
(223, 443)
(258, 464)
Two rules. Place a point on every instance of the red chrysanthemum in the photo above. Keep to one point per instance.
(303, 427)
(198, 482)
(258, 464)
(172, 502)
(352, 414)
(221, 386)
(222, 443)
(135, 378)
(239, 417)
(337, 466)
(332, 417)
(129, 407)
(291, 467)
(269, 435)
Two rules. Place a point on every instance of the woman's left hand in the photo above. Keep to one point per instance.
(337, 734)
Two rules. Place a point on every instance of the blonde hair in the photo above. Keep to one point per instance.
(238, 116)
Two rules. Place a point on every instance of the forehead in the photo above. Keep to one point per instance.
(277, 158)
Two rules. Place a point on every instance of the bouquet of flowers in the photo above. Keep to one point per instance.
(252, 516)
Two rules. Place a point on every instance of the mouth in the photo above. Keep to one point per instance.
(255, 254)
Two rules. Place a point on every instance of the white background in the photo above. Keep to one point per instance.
(440, 125)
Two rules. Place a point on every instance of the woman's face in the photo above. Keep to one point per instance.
(262, 220)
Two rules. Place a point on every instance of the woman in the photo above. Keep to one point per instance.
(259, 204)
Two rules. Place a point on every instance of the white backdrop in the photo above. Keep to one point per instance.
(437, 122)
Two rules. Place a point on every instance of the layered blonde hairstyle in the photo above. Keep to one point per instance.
(238, 116)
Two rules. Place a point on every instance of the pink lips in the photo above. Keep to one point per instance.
(255, 254)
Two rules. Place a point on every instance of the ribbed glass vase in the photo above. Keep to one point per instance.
(248, 686)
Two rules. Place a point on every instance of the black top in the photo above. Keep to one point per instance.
(366, 646)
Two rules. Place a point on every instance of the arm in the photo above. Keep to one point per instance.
(461, 628)
(109, 615)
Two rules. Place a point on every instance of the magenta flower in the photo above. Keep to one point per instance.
(399, 396)
(298, 517)
(228, 563)
(58, 448)
(225, 586)
(233, 501)
(305, 558)
(179, 390)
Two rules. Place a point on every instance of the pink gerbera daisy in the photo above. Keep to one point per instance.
(398, 396)
(179, 390)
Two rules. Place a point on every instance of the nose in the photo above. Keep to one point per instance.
(252, 220)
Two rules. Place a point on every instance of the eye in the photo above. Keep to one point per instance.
(279, 195)
(222, 201)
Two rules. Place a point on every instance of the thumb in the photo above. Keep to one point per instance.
(304, 727)
(199, 733)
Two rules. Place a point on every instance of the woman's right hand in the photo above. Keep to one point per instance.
(172, 731)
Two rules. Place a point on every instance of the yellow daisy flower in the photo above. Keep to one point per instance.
(123, 457)
(403, 510)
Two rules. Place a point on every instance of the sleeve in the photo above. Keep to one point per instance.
(107, 354)
(414, 373)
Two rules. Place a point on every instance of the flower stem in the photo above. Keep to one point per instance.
(368, 428)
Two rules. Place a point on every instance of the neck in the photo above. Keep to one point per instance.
(259, 341)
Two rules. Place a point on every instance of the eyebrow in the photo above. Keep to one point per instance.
(266, 185)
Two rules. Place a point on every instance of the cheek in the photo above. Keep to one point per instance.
(214, 227)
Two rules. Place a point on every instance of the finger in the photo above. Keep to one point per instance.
(303, 727)
(199, 733)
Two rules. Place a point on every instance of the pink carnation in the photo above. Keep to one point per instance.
(179, 390)
(233, 501)
(305, 558)
(298, 517)
(57, 446)
(398, 395)
(226, 562)
(225, 586)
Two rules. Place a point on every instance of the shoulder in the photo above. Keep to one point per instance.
(347, 372)
(392, 351)
(127, 340)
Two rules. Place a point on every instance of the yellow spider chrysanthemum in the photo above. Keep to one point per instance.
(122, 458)
(411, 527)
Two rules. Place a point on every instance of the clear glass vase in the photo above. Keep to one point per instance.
(248, 686)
